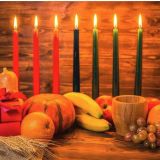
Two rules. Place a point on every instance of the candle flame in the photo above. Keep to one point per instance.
(95, 21)
(115, 21)
(15, 23)
(56, 22)
(140, 21)
(36, 22)
(76, 22)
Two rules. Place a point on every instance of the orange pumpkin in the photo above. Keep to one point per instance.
(56, 106)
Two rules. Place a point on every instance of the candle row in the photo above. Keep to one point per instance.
(76, 72)
(115, 83)
(36, 76)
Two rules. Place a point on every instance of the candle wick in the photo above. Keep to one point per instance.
(35, 27)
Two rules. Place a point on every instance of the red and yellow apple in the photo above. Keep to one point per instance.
(152, 102)
(105, 102)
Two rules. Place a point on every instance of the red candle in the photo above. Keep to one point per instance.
(15, 51)
(36, 79)
(56, 58)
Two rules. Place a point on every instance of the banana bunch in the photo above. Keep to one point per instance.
(88, 112)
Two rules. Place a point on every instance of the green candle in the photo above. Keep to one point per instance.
(115, 87)
(138, 77)
(95, 68)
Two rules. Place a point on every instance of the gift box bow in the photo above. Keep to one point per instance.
(9, 96)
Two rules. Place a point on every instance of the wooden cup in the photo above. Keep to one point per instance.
(126, 110)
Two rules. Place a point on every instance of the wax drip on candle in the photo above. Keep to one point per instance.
(36, 22)
(15, 23)
(56, 22)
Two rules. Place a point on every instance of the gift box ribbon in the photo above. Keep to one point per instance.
(9, 96)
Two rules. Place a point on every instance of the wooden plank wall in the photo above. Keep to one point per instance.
(127, 15)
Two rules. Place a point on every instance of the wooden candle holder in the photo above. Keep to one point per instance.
(126, 110)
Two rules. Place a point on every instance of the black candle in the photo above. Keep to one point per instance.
(76, 74)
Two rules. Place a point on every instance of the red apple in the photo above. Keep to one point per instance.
(105, 102)
(152, 102)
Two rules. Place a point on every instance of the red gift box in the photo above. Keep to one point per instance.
(10, 106)
(11, 115)
(10, 129)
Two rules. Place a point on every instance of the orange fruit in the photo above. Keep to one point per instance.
(37, 125)
(154, 115)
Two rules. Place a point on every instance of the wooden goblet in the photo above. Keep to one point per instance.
(126, 110)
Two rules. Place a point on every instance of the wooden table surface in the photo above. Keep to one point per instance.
(79, 144)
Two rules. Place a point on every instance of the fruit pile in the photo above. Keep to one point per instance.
(149, 135)
(94, 115)
(47, 114)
